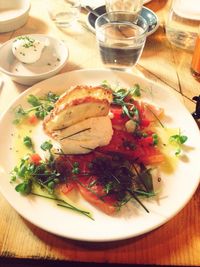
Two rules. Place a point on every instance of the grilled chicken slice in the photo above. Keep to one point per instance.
(78, 104)
(84, 136)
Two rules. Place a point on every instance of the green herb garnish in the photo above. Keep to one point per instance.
(155, 139)
(46, 146)
(40, 107)
(178, 140)
(45, 175)
(75, 169)
(118, 177)
(28, 142)
(28, 41)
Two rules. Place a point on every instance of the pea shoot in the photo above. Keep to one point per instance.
(45, 175)
(178, 140)
(75, 169)
(39, 106)
(155, 139)
(28, 142)
(124, 98)
(46, 146)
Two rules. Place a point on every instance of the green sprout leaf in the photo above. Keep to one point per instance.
(46, 146)
(28, 142)
(24, 187)
(178, 140)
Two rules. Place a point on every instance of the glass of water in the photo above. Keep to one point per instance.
(132, 6)
(64, 12)
(120, 40)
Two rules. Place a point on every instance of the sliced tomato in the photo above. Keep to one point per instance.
(126, 144)
(151, 156)
(145, 141)
(155, 158)
(35, 159)
(33, 120)
(150, 112)
(66, 187)
(96, 195)
(119, 119)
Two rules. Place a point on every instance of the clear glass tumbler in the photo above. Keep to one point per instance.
(121, 42)
(132, 6)
(64, 12)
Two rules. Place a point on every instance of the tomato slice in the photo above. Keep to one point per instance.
(141, 150)
(138, 148)
(33, 120)
(118, 118)
(96, 195)
(35, 159)
(66, 187)
(150, 112)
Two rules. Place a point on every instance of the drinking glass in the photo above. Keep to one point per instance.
(121, 42)
(64, 12)
(132, 6)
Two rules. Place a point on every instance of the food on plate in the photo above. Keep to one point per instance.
(101, 141)
(79, 121)
(85, 136)
(77, 104)
(27, 49)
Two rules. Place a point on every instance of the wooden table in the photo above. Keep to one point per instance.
(175, 243)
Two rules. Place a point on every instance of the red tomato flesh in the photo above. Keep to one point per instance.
(35, 159)
(136, 148)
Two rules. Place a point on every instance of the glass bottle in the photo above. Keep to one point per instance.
(195, 66)
(182, 23)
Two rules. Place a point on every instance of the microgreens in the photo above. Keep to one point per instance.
(40, 106)
(44, 175)
(178, 140)
(118, 177)
(28, 41)
(28, 143)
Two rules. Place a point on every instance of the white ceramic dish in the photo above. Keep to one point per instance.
(177, 186)
(13, 14)
(187, 9)
(53, 59)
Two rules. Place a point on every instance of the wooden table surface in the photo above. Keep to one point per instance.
(175, 243)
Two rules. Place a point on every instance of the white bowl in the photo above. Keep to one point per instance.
(13, 14)
(52, 60)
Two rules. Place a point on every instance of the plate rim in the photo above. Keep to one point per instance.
(32, 88)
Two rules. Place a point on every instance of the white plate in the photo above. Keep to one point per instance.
(53, 58)
(177, 187)
(187, 9)
(13, 14)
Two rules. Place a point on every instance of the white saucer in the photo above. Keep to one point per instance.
(187, 9)
(52, 60)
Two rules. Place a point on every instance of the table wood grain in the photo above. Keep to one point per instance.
(175, 243)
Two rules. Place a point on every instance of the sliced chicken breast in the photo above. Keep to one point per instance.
(78, 104)
(85, 136)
